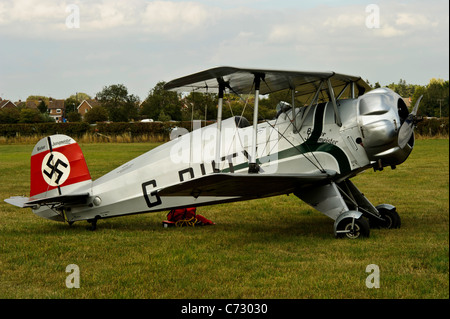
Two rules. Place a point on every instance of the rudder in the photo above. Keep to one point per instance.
(57, 167)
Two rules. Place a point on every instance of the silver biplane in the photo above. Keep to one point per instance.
(311, 150)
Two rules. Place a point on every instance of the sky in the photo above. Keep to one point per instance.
(57, 48)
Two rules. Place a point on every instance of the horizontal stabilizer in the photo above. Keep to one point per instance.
(73, 199)
(245, 185)
(18, 201)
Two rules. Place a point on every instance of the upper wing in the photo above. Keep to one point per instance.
(240, 80)
(245, 185)
(23, 202)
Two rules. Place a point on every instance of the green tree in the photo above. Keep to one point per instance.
(198, 105)
(435, 101)
(30, 116)
(37, 98)
(9, 115)
(159, 100)
(42, 107)
(163, 117)
(121, 106)
(423, 108)
(73, 117)
(80, 96)
(403, 89)
(438, 96)
(45, 117)
(236, 107)
(97, 114)
(268, 108)
(71, 104)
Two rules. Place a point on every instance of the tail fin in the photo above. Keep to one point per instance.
(57, 167)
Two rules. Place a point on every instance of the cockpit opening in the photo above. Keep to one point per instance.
(282, 107)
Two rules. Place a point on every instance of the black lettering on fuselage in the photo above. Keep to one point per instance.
(184, 171)
(152, 199)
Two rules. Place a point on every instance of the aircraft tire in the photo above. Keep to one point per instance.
(392, 218)
(352, 228)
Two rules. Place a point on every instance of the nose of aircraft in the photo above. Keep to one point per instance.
(387, 127)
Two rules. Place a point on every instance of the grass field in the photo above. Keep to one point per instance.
(269, 248)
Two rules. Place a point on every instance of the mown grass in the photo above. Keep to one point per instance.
(269, 248)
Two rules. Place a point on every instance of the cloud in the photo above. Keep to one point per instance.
(388, 31)
(21, 11)
(325, 22)
(143, 41)
(106, 15)
(175, 17)
(352, 19)
(285, 33)
(414, 19)
(47, 18)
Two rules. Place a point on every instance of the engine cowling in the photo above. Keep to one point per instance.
(382, 112)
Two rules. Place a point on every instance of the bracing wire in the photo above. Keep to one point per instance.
(318, 165)
(240, 118)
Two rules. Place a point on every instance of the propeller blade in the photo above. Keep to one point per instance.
(416, 106)
(407, 128)
(404, 134)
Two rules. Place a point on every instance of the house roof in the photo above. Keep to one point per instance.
(90, 102)
(6, 103)
(55, 104)
(32, 104)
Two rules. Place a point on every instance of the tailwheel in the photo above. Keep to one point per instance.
(352, 226)
(93, 223)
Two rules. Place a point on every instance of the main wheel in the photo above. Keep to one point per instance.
(353, 228)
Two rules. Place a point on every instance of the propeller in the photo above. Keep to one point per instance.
(407, 128)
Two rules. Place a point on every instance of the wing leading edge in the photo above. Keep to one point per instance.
(241, 80)
(245, 186)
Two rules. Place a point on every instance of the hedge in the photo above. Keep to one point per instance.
(432, 127)
(71, 129)
(81, 128)
(427, 127)
(135, 129)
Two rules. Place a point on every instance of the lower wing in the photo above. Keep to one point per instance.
(245, 185)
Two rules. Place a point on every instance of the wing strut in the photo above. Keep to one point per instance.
(313, 101)
(222, 85)
(253, 167)
(333, 100)
(353, 90)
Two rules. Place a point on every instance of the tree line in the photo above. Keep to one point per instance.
(116, 104)
(435, 101)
